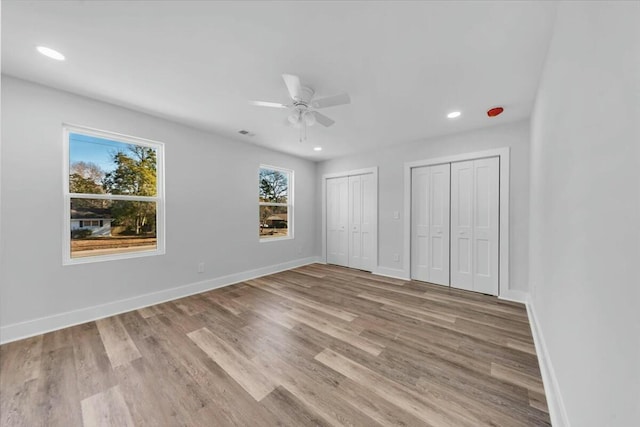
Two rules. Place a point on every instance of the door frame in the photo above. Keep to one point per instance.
(503, 259)
(364, 171)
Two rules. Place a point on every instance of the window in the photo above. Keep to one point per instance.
(114, 196)
(275, 189)
(91, 223)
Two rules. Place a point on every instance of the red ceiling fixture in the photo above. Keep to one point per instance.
(495, 111)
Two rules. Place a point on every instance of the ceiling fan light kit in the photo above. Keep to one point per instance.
(303, 105)
(309, 119)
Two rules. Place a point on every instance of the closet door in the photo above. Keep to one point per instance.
(439, 224)
(430, 224)
(337, 221)
(474, 225)
(420, 224)
(462, 225)
(361, 221)
(485, 225)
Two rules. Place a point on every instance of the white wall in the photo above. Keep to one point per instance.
(585, 211)
(391, 161)
(211, 208)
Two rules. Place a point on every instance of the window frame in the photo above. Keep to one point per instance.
(159, 198)
(289, 205)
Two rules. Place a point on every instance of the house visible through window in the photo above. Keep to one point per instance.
(276, 203)
(113, 196)
(90, 223)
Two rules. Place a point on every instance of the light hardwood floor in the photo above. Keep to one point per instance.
(317, 345)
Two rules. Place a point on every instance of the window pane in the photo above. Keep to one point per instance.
(127, 226)
(273, 222)
(274, 186)
(99, 166)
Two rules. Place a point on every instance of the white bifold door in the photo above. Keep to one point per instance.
(338, 221)
(474, 225)
(430, 192)
(455, 223)
(351, 221)
(361, 221)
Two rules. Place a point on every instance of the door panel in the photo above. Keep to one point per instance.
(367, 221)
(474, 225)
(361, 221)
(337, 221)
(430, 224)
(420, 224)
(355, 222)
(486, 218)
(439, 214)
(462, 224)
(351, 221)
(482, 262)
(463, 257)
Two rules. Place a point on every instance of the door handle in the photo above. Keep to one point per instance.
(439, 232)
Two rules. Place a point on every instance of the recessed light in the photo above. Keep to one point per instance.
(317, 148)
(454, 114)
(53, 54)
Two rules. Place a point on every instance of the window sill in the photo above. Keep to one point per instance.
(114, 257)
(275, 239)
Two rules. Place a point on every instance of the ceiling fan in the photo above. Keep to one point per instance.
(303, 106)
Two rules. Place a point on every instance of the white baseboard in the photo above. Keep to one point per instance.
(557, 411)
(514, 295)
(396, 273)
(18, 331)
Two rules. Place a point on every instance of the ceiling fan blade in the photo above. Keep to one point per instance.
(293, 85)
(268, 104)
(322, 119)
(330, 101)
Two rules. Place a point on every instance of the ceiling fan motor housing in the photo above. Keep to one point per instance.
(306, 93)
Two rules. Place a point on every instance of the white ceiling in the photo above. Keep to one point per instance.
(405, 64)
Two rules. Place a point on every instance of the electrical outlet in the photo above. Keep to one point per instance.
(300, 250)
(201, 267)
(396, 215)
(396, 257)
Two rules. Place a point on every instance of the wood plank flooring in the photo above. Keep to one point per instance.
(318, 345)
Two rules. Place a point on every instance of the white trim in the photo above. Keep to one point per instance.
(271, 167)
(105, 134)
(103, 196)
(555, 403)
(365, 171)
(503, 154)
(514, 295)
(18, 331)
(159, 199)
(396, 273)
(274, 239)
(458, 157)
(135, 253)
(354, 172)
